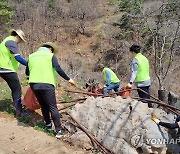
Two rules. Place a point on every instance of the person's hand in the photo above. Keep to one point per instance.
(72, 82)
(155, 120)
(129, 85)
(104, 86)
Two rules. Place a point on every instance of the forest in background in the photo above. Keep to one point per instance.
(89, 32)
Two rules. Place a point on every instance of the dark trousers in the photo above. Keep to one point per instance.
(16, 92)
(47, 100)
(13, 83)
(144, 95)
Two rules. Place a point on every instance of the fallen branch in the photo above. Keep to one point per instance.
(169, 107)
(69, 106)
(75, 100)
(84, 92)
(157, 102)
(105, 149)
(96, 94)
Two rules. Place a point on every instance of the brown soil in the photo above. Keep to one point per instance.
(19, 138)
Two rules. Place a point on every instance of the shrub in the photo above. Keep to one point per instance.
(111, 2)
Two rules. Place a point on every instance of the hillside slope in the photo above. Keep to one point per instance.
(85, 34)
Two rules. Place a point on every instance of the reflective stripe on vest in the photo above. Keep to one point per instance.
(7, 60)
(114, 78)
(41, 69)
(143, 68)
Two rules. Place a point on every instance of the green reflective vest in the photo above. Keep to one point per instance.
(40, 67)
(114, 78)
(7, 60)
(143, 68)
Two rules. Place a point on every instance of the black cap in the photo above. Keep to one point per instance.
(135, 48)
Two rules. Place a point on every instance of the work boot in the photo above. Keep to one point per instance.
(60, 133)
(23, 114)
(49, 126)
(18, 109)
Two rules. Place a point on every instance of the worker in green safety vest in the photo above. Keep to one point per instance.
(140, 72)
(110, 78)
(41, 69)
(10, 59)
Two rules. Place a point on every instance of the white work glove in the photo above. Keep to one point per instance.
(129, 85)
(104, 86)
(72, 82)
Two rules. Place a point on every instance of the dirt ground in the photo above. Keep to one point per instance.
(16, 137)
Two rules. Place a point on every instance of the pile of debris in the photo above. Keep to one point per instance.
(124, 126)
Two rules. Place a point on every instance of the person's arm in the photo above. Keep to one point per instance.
(108, 78)
(58, 69)
(27, 71)
(20, 60)
(166, 124)
(134, 70)
(169, 125)
(13, 47)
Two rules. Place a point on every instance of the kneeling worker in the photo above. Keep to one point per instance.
(41, 68)
(112, 81)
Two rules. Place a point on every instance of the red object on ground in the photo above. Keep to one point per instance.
(30, 100)
(125, 93)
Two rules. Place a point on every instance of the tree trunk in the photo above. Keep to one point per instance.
(172, 99)
(163, 95)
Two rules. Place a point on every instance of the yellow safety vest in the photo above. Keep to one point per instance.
(41, 69)
(7, 60)
(143, 68)
(114, 78)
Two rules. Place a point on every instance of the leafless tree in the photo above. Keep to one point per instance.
(157, 29)
(164, 34)
(82, 11)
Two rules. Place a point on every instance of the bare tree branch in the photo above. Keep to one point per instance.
(174, 68)
(171, 49)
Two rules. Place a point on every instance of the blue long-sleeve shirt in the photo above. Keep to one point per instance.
(108, 77)
(14, 49)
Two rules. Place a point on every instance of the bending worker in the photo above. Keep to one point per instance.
(41, 68)
(168, 125)
(140, 72)
(9, 63)
(112, 81)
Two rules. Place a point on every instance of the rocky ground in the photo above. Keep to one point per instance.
(123, 130)
(109, 119)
